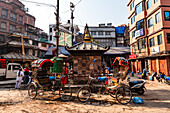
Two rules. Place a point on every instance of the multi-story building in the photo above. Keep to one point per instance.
(104, 34)
(150, 35)
(15, 24)
(65, 34)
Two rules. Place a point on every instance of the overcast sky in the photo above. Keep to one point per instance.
(92, 12)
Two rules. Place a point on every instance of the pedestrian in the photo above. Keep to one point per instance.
(26, 75)
(158, 77)
(162, 77)
(20, 74)
(144, 74)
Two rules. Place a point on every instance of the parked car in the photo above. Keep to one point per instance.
(8, 70)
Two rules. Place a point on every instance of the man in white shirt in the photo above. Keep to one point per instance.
(20, 74)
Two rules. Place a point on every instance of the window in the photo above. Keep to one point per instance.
(93, 33)
(35, 43)
(13, 16)
(150, 22)
(155, 1)
(133, 19)
(167, 15)
(3, 25)
(132, 5)
(4, 13)
(158, 18)
(43, 45)
(140, 24)
(12, 27)
(33, 53)
(159, 39)
(152, 42)
(168, 38)
(139, 8)
(100, 33)
(9, 67)
(107, 33)
(133, 34)
(51, 38)
(142, 44)
(149, 4)
(51, 30)
(20, 19)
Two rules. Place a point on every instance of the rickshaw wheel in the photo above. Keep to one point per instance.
(32, 91)
(65, 93)
(84, 94)
(123, 95)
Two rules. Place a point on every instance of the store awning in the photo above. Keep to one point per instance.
(118, 50)
(14, 55)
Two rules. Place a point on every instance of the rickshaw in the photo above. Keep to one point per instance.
(120, 64)
(44, 80)
(106, 85)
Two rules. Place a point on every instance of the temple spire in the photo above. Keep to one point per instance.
(87, 36)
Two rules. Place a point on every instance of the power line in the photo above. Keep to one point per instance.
(69, 10)
(78, 3)
(39, 3)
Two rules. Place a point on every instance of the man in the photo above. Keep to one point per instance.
(20, 74)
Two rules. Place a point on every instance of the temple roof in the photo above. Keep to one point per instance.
(87, 45)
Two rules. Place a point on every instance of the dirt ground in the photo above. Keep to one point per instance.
(156, 99)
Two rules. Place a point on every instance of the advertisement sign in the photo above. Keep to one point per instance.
(139, 33)
(132, 56)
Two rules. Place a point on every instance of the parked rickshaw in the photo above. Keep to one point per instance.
(120, 64)
(107, 85)
(44, 80)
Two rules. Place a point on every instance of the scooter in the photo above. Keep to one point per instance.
(137, 86)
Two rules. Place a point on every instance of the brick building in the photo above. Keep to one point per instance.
(150, 35)
(15, 24)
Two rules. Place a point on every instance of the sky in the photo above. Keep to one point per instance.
(92, 12)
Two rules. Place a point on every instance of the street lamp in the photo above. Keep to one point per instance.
(72, 8)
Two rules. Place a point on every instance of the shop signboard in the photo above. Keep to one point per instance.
(139, 33)
(132, 56)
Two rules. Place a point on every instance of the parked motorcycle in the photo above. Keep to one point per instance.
(167, 80)
(137, 86)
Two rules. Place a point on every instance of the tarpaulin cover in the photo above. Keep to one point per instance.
(120, 30)
(120, 61)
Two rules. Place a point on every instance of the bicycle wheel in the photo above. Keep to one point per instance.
(84, 94)
(123, 95)
(32, 91)
(65, 93)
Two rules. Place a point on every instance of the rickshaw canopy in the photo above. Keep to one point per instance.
(42, 62)
(120, 61)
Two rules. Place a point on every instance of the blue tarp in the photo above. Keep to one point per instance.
(120, 30)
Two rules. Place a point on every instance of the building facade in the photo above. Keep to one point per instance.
(15, 24)
(104, 34)
(149, 28)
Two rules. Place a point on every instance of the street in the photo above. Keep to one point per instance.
(156, 99)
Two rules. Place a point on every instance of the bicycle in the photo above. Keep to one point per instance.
(121, 92)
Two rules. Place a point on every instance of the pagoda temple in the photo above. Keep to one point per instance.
(83, 54)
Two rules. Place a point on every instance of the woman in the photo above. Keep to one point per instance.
(20, 74)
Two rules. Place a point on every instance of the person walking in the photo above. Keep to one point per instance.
(20, 74)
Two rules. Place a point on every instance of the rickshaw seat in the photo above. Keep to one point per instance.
(102, 79)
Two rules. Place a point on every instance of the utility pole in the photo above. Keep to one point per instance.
(72, 7)
(57, 27)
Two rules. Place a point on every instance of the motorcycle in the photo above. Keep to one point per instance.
(167, 80)
(137, 86)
